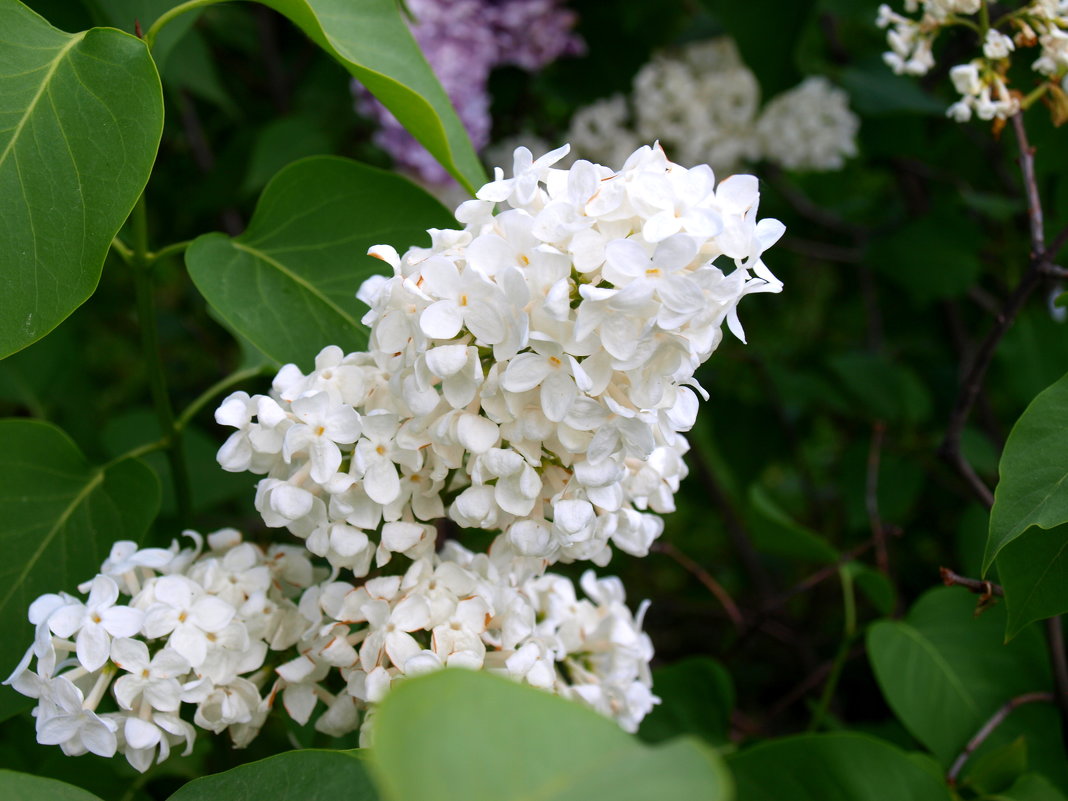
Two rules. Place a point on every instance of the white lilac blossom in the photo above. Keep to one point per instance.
(321, 649)
(982, 82)
(529, 374)
(703, 105)
(809, 127)
(463, 41)
(193, 626)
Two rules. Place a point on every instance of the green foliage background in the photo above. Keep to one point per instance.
(817, 499)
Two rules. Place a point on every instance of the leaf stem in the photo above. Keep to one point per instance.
(167, 16)
(849, 630)
(122, 249)
(170, 250)
(157, 382)
(215, 389)
(988, 728)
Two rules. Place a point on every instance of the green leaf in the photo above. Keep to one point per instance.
(25, 787)
(998, 769)
(775, 532)
(884, 389)
(307, 775)
(372, 42)
(1032, 489)
(696, 697)
(59, 516)
(289, 282)
(281, 142)
(80, 120)
(1033, 571)
(875, 90)
(832, 767)
(464, 736)
(1030, 787)
(944, 672)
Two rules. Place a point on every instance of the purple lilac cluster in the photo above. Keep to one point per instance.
(464, 40)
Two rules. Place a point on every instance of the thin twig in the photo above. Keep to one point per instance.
(871, 500)
(735, 528)
(978, 586)
(988, 728)
(706, 578)
(973, 380)
(1059, 662)
(810, 682)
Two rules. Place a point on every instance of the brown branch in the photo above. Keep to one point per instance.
(1059, 662)
(988, 728)
(736, 530)
(978, 586)
(702, 575)
(973, 380)
(871, 499)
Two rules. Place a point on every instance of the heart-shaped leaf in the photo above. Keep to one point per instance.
(289, 282)
(1033, 485)
(59, 516)
(80, 120)
(458, 735)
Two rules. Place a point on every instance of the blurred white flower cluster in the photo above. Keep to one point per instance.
(983, 81)
(703, 105)
(529, 374)
(228, 632)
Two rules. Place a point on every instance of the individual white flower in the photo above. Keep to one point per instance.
(323, 426)
(184, 611)
(96, 622)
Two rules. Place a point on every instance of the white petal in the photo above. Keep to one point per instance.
(441, 320)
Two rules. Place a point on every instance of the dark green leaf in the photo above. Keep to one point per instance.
(464, 736)
(59, 516)
(1033, 571)
(1032, 489)
(289, 282)
(832, 767)
(1030, 787)
(24, 787)
(998, 769)
(307, 775)
(696, 697)
(371, 41)
(886, 390)
(82, 116)
(944, 672)
(874, 90)
(775, 532)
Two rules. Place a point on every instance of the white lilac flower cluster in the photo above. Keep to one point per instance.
(982, 82)
(164, 629)
(228, 632)
(703, 105)
(528, 374)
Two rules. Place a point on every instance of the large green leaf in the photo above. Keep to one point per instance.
(465, 736)
(26, 787)
(309, 775)
(59, 516)
(696, 697)
(372, 42)
(832, 767)
(1033, 485)
(944, 672)
(80, 120)
(289, 282)
(1033, 571)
